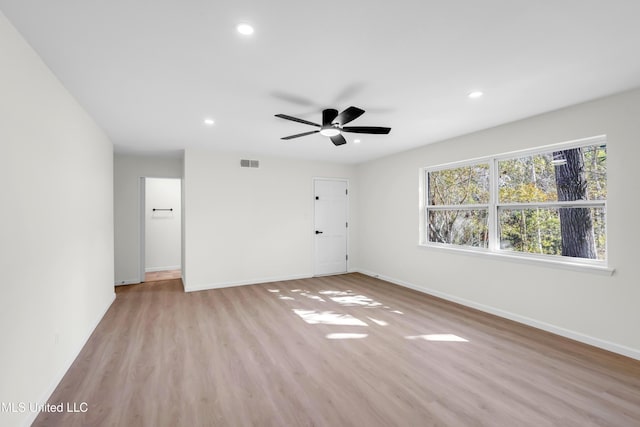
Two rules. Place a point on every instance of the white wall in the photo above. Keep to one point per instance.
(163, 228)
(56, 226)
(128, 169)
(594, 308)
(247, 225)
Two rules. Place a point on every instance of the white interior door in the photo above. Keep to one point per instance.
(330, 220)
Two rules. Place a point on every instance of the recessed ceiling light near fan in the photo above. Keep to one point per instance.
(333, 124)
(245, 29)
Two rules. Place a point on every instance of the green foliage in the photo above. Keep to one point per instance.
(527, 179)
(531, 231)
(595, 162)
(526, 192)
(466, 227)
(465, 185)
(468, 185)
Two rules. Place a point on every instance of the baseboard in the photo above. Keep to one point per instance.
(65, 367)
(127, 282)
(220, 285)
(154, 269)
(576, 336)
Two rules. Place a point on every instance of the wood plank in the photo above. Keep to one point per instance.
(345, 350)
(155, 276)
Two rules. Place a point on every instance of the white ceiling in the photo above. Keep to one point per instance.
(150, 71)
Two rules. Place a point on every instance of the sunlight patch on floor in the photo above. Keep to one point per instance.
(328, 318)
(313, 297)
(345, 336)
(378, 322)
(438, 337)
(356, 300)
(333, 293)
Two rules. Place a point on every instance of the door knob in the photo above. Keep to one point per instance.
(318, 232)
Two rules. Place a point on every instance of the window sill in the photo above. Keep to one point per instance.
(553, 263)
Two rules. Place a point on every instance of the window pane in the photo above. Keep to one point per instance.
(467, 185)
(595, 166)
(572, 174)
(459, 227)
(574, 232)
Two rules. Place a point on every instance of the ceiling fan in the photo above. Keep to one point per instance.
(333, 124)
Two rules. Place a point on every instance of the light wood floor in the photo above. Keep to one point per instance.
(154, 276)
(333, 351)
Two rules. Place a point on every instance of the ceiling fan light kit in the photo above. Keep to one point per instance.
(330, 131)
(333, 124)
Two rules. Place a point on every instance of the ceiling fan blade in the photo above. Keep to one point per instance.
(295, 99)
(300, 134)
(348, 92)
(366, 129)
(328, 116)
(338, 140)
(295, 119)
(349, 115)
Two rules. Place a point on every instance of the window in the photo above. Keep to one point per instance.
(458, 210)
(547, 202)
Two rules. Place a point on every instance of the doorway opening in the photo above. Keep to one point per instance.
(160, 229)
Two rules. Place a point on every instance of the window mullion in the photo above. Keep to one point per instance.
(467, 207)
(493, 201)
(554, 204)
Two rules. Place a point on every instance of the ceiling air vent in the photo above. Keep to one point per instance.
(246, 163)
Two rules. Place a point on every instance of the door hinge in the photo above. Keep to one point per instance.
(346, 224)
(347, 257)
(346, 191)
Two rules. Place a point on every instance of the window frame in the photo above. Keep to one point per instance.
(477, 206)
(494, 207)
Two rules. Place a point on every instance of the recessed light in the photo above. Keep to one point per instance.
(209, 122)
(245, 29)
(356, 141)
(475, 94)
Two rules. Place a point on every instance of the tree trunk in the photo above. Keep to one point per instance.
(576, 224)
